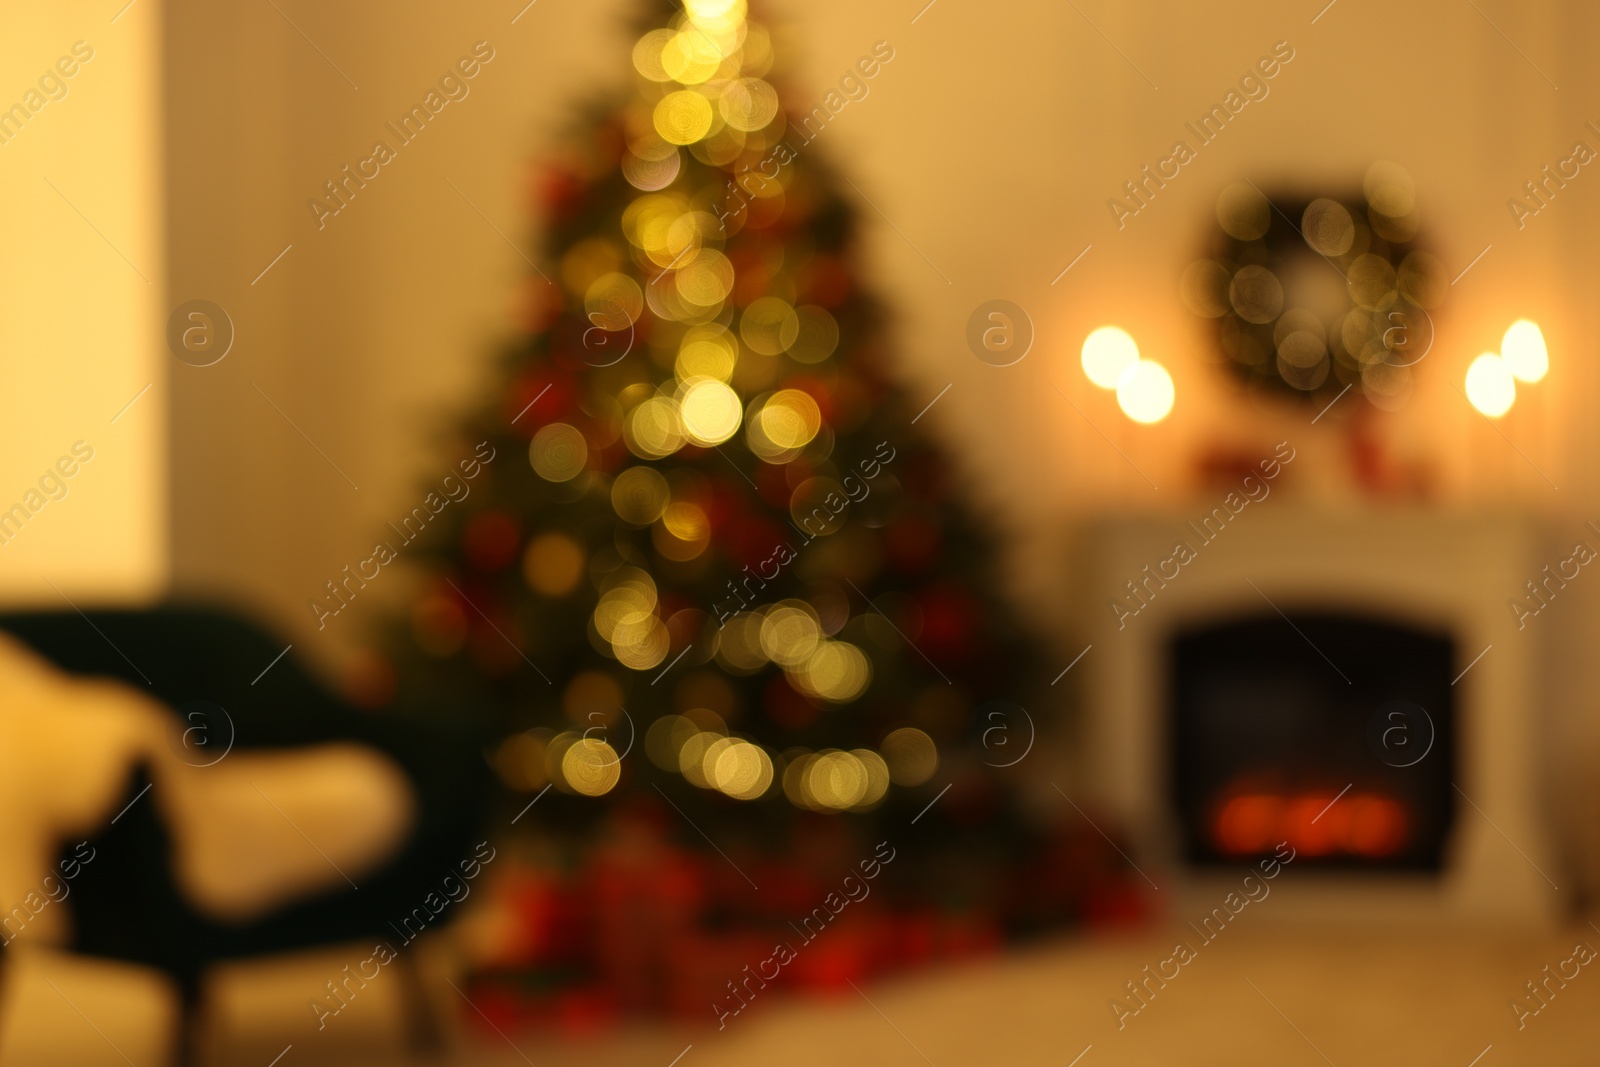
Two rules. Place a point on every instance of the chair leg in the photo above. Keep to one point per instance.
(186, 1042)
(424, 1034)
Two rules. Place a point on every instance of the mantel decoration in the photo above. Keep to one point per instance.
(1312, 296)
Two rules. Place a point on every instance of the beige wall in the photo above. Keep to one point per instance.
(992, 142)
(370, 331)
(82, 283)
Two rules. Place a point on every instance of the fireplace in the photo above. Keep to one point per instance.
(1209, 724)
(1334, 733)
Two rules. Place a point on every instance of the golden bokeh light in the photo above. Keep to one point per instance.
(647, 55)
(723, 146)
(639, 495)
(683, 117)
(558, 452)
(590, 767)
(836, 671)
(711, 411)
(1145, 392)
(654, 429)
(666, 304)
(1490, 385)
(647, 220)
(707, 352)
(877, 772)
(687, 232)
(835, 781)
(690, 58)
(1243, 212)
(1107, 352)
(788, 420)
(739, 649)
(911, 756)
(1389, 189)
(692, 756)
(769, 326)
(737, 768)
(686, 521)
(1397, 229)
(715, 11)
(553, 564)
(1524, 351)
(749, 104)
(587, 260)
(682, 533)
(665, 739)
(1303, 359)
(629, 592)
(650, 174)
(797, 764)
(613, 302)
(673, 242)
(790, 632)
(1328, 227)
(1386, 385)
(1372, 282)
(1256, 294)
(816, 337)
(642, 642)
(706, 279)
(756, 53)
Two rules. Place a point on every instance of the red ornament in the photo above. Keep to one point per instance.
(786, 707)
(535, 304)
(773, 485)
(752, 276)
(826, 281)
(752, 542)
(492, 540)
(912, 544)
(946, 622)
(558, 191)
(550, 397)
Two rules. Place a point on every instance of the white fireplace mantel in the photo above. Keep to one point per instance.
(1451, 572)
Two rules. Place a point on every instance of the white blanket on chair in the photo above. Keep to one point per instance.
(251, 832)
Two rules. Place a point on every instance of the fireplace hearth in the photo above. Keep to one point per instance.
(1349, 681)
(1334, 733)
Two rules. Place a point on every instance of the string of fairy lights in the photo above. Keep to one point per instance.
(713, 343)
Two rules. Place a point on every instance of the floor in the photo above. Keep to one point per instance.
(1367, 996)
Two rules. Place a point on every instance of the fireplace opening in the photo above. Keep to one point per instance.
(1335, 733)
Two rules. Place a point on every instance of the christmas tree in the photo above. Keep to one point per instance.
(706, 554)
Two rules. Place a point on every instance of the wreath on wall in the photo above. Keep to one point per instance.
(1312, 297)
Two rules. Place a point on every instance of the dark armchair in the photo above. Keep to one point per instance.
(127, 903)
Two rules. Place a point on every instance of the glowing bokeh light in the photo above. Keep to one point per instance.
(911, 755)
(1490, 386)
(590, 767)
(1145, 392)
(1107, 352)
(711, 411)
(1524, 351)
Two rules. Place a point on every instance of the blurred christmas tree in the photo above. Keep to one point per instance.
(712, 556)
